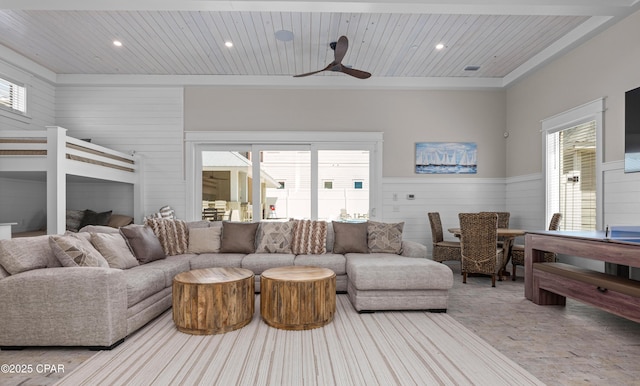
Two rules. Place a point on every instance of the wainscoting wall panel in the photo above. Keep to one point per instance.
(144, 120)
(448, 196)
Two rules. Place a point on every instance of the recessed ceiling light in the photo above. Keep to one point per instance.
(117, 43)
(439, 46)
(472, 68)
(228, 44)
(284, 35)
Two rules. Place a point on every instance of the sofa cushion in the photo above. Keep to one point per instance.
(259, 262)
(143, 243)
(309, 237)
(238, 237)
(171, 266)
(74, 250)
(335, 262)
(173, 234)
(113, 247)
(98, 229)
(384, 237)
(383, 271)
(275, 237)
(204, 240)
(212, 260)
(40, 253)
(350, 237)
(143, 281)
(16, 258)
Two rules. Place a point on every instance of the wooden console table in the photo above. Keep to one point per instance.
(550, 284)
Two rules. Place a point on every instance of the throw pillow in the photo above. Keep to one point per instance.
(74, 219)
(275, 237)
(143, 243)
(350, 237)
(95, 218)
(16, 258)
(238, 237)
(204, 240)
(173, 234)
(309, 237)
(114, 248)
(119, 220)
(384, 237)
(74, 251)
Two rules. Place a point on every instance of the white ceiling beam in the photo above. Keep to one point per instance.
(485, 7)
(316, 82)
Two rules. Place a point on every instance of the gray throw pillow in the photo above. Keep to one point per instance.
(238, 237)
(204, 240)
(94, 218)
(350, 237)
(143, 243)
(74, 219)
(114, 249)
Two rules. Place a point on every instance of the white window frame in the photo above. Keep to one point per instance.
(10, 112)
(198, 141)
(591, 111)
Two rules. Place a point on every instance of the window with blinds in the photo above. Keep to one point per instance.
(571, 176)
(13, 97)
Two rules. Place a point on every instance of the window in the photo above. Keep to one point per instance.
(13, 97)
(302, 174)
(572, 164)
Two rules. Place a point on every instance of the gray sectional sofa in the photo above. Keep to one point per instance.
(43, 303)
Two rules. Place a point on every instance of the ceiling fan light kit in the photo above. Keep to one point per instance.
(339, 51)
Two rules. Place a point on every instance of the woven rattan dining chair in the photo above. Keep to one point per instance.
(517, 251)
(442, 250)
(478, 238)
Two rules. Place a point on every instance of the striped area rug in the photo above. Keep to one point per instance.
(383, 348)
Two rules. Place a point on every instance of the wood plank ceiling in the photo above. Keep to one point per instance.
(191, 42)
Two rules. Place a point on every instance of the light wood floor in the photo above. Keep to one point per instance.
(573, 345)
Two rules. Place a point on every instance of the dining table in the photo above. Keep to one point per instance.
(507, 235)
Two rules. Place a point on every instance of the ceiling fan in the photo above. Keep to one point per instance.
(340, 49)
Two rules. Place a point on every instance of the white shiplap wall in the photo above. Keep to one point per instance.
(144, 120)
(448, 196)
(24, 201)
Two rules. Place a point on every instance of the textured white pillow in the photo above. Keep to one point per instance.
(114, 249)
(204, 240)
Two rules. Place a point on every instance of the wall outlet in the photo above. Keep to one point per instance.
(396, 209)
(395, 196)
(411, 196)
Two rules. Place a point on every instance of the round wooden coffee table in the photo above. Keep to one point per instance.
(213, 300)
(297, 297)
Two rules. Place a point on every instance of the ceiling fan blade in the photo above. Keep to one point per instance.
(315, 72)
(341, 49)
(353, 72)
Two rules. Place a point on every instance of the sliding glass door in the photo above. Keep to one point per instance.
(329, 180)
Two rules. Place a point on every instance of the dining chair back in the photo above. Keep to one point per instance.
(517, 251)
(442, 250)
(478, 239)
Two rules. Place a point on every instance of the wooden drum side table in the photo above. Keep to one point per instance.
(297, 297)
(213, 300)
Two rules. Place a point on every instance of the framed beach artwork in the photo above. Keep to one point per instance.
(446, 157)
